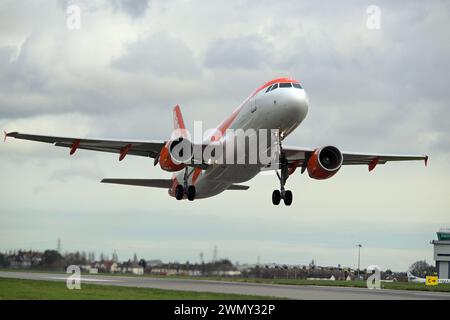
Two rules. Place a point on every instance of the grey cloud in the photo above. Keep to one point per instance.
(243, 52)
(30, 87)
(161, 55)
(134, 8)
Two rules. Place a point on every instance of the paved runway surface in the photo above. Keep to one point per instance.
(283, 291)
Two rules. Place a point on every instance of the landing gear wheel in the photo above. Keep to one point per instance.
(179, 192)
(191, 193)
(287, 197)
(276, 197)
(283, 175)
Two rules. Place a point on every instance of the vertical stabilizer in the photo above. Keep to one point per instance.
(178, 122)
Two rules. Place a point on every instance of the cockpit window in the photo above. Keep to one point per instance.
(285, 85)
(274, 87)
(297, 85)
(269, 88)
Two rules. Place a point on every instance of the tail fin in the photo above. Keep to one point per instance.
(179, 129)
(178, 122)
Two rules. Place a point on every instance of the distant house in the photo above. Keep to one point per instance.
(130, 267)
(154, 263)
(138, 271)
(97, 265)
(25, 259)
(194, 273)
(85, 268)
(229, 273)
(105, 266)
(165, 271)
(111, 266)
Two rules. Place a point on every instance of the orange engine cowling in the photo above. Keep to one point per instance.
(324, 163)
(175, 154)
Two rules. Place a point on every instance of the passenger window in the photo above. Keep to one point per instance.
(297, 85)
(268, 89)
(285, 85)
(274, 87)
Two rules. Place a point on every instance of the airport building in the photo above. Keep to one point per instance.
(442, 253)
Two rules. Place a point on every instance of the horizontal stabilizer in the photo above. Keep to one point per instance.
(159, 183)
(237, 187)
(154, 183)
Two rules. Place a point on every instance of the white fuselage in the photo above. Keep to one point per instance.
(283, 109)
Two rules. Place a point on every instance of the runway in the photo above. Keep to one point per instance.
(272, 290)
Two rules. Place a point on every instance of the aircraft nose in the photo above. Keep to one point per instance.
(297, 103)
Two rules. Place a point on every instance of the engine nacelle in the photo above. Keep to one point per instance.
(324, 163)
(175, 154)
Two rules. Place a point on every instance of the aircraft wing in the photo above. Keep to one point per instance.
(137, 148)
(301, 157)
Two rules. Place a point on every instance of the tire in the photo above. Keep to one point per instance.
(276, 197)
(179, 192)
(288, 197)
(191, 192)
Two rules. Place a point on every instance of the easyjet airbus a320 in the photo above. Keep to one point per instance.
(280, 104)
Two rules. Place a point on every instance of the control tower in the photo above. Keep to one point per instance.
(442, 253)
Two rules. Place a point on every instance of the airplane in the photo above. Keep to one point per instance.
(280, 104)
(412, 278)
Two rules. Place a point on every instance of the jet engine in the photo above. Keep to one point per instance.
(175, 154)
(324, 163)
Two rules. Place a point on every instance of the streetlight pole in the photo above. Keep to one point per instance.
(359, 257)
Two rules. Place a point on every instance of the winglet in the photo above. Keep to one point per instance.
(9, 134)
(426, 161)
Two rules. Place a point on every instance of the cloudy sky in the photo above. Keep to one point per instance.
(119, 75)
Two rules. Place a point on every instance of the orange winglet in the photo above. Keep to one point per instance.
(124, 151)
(75, 146)
(373, 163)
(426, 161)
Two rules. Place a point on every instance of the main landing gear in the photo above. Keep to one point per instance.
(283, 175)
(181, 190)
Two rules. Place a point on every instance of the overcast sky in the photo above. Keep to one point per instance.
(120, 74)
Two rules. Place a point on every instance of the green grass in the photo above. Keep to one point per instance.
(18, 289)
(416, 286)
